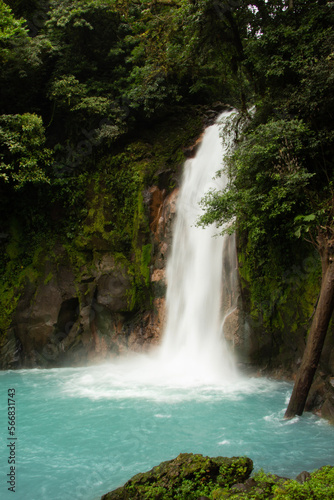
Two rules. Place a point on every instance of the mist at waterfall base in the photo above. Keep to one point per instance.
(84, 431)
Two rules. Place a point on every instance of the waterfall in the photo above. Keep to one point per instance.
(201, 300)
(201, 274)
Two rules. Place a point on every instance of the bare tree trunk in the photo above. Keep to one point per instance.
(315, 342)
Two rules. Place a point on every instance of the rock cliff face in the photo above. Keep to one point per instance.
(62, 320)
(92, 297)
(94, 286)
(278, 328)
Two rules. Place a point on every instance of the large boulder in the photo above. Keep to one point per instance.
(66, 318)
(186, 476)
(194, 477)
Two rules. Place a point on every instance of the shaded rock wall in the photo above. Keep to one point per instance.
(71, 318)
(279, 323)
(57, 320)
(58, 306)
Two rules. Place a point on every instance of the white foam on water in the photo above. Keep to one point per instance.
(225, 441)
(145, 377)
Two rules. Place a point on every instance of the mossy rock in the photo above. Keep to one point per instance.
(188, 476)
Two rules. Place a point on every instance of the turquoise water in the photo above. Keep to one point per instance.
(84, 431)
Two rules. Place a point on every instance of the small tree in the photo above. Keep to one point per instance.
(23, 155)
(324, 243)
(12, 32)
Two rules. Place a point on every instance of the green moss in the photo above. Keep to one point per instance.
(14, 279)
(146, 256)
(9, 299)
(48, 278)
(234, 471)
(279, 293)
(19, 265)
(103, 210)
(139, 295)
(187, 477)
(319, 486)
(14, 247)
(77, 257)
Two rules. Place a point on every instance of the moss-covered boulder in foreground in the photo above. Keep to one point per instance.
(194, 477)
(188, 476)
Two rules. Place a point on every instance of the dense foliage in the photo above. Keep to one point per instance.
(281, 169)
(76, 76)
(79, 79)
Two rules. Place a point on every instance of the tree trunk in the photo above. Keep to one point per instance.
(315, 341)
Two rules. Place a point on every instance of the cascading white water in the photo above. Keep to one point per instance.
(193, 341)
(200, 296)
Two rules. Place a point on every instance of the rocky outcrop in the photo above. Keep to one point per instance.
(278, 313)
(76, 315)
(162, 216)
(82, 307)
(71, 316)
(62, 319)
(162, 213)
(195, 477)
(321, 396)
(235, 327)
(184, 477)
